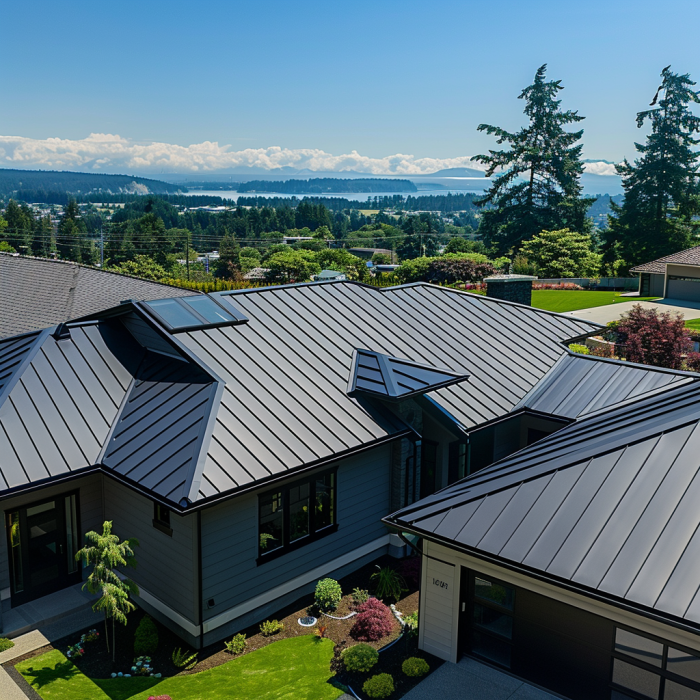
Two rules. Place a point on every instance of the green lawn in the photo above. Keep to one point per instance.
(291, 668)
(562, 300)
(693, 323)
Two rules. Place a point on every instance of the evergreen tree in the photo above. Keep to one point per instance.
(662, 193)
(18, 232)
(538, 182)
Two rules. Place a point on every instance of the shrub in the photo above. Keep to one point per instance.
(360, 658)
(379, 686)
(183, 659)
(270, 627)
(328, 594)
(411, 623)
(448, 271)
(359, 596)
(415, 667)
(237, 645)
(653, 338)
(388, 583)
(580, 349)
(146, 637)
(373, 621)
(6, 644)
(692, 363)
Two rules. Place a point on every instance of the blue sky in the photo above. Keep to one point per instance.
(379, 78)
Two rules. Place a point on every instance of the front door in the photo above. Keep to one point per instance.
(42, 541)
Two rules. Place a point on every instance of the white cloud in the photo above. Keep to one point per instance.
(113, 153)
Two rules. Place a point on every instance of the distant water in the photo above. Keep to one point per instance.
(358, 196)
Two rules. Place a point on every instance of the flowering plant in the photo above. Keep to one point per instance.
(90, 636)
(142, 666)
(75, 650)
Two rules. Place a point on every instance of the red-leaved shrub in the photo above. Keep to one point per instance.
(159, 697)
(692, 361)
(653, 338)
(373, 621)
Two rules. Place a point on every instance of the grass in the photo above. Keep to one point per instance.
(561, 300)
(291, 668)
(693, 324)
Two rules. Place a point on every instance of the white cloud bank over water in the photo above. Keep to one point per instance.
(113, 153)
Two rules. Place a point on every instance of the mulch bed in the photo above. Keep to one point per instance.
(97, 662)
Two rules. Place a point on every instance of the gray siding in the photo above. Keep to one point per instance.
(167, 566)
(656, 285)
(90, 489)
(230, 535)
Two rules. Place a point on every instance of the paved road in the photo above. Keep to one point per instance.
(471, 680)
(605, 314)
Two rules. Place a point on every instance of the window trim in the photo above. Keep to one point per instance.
(314, 534)
(236, 316)
(162, 525)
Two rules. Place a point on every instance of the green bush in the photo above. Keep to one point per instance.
(415, 667)
(328, 594)
(580, 349)
(359, 596)
(379, 686)
(389, 584)
(183, 659)
(270, 627)
(360, 658)
(146, 637)
(411, 623)
(237, 645)
(6, 644)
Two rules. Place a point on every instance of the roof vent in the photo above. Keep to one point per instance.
(385, 377)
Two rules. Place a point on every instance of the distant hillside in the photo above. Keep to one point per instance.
(50, 185)
(324, 185)
(457, 172)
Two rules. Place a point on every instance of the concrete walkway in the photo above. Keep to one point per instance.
(471, 680)
(611, 312)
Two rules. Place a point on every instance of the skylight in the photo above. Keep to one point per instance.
(190, 313)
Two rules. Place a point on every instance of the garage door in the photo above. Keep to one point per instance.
(685, 288)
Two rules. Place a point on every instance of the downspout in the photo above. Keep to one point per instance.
(199, 574)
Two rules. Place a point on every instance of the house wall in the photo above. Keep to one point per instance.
(656, 285)
(244, 592)
(90, 498)
(166, 570)
(561, 640)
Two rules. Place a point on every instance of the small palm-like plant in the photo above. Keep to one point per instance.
(105, 553)
(388, 583)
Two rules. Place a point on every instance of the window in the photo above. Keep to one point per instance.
(295, 514)
(644, 667)
(161, 519)
(187, 313)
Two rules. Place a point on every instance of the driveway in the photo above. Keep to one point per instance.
(605, 314)
(471, 680)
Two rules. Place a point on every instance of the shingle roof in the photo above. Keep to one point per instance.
(36, 293)
(608, 503)
(275, 388)
(690, 256)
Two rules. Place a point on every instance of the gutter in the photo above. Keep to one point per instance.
(544, 577)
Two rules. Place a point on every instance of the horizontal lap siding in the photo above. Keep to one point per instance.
(90, 489)
(166, 566)
(230, 535)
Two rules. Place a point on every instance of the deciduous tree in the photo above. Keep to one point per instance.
(562, 253)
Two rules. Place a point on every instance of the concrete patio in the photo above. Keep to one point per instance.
(612, 312)
(471, 680)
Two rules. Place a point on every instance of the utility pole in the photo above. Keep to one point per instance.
(187, 256)
(102, 248)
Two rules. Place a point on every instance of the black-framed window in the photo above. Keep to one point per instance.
(179, 314)
(296, 513)
(492, 605)
(161, 518)
(648, 668)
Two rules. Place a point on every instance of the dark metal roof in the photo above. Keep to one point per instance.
(608, 503)
(387, 377)
(689, 256)
(36, 293)
(581, 384)
(13, 353)
(207, 411)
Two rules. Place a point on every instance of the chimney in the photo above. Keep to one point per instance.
(517, 288)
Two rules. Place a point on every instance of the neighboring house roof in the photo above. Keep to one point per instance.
(257, 273)
(392, 378)
(608, 503)
(257, 400)
(690, 256)
(329, 275)
(36, 292)
(580, 384)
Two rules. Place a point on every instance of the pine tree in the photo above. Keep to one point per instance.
(537, 186)
(662, 192)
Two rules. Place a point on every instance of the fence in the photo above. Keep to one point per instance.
(628, 284)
